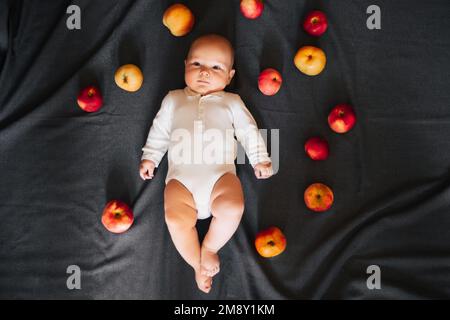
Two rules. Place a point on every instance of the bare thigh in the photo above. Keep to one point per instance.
(227, 190)
(179, 205)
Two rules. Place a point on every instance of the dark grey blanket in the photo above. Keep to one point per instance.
(390, 175)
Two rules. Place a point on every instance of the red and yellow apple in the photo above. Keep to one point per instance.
(270, 242)
(315, 23)
(129, 77)
(90, 99)
(269, 81)
(179, 19)
(252, 9)
(342, 118)
(310, 60)
(317, 148)
(318, 197)
(117, 216)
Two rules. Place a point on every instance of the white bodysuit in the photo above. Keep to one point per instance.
(198, 132)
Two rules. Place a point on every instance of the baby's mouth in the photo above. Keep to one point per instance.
(203, 81)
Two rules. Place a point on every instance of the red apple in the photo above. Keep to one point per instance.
(269, 82)
(90, 99)
(342, 118)
(315, 23)
(252, 9)
(317, 148)
(318, 197)
(117, 216)
(270, 242)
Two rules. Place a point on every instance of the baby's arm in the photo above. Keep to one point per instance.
(158, 139)
(247, 133)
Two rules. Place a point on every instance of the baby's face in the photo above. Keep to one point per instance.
(208, 67)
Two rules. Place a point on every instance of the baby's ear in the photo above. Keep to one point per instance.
(231, 75)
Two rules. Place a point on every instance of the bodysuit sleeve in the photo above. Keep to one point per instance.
(247, 133)
(159, 136)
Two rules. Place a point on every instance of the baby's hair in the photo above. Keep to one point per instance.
(216, 37)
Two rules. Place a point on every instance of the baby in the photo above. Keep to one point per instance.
(200, 184)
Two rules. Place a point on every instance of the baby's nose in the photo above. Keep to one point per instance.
(204, 72)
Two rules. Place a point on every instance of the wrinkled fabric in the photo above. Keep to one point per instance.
(390, 174)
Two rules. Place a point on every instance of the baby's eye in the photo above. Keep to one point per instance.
(216, 68)
(195, 64)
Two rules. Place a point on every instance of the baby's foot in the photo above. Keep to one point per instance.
(204, 283)
(209, 262)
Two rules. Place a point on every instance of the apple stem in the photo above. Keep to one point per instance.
(271, 243)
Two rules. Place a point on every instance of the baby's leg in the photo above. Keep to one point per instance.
(181, 217)
(227, 207)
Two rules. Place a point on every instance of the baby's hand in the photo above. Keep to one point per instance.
(146, 169)
(263, 170)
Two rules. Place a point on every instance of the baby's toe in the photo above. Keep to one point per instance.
(215, 271)
(204, 271)
(204, 283)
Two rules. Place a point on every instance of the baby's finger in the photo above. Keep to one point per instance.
(267, 173)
